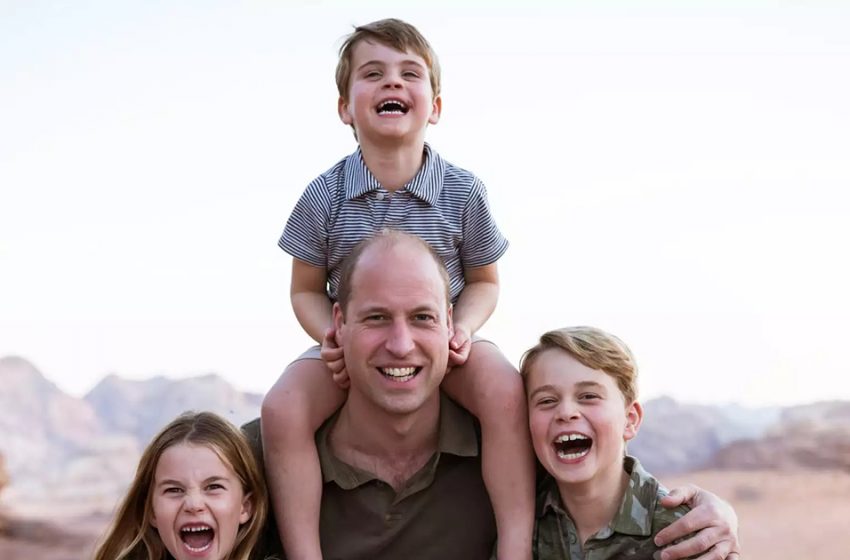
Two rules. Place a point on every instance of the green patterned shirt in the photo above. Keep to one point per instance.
(629, 535)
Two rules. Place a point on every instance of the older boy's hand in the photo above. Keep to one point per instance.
(459, 346)
(333, 358)
(711, 527)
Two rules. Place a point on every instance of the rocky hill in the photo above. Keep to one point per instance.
(73, 455)
(68, 455)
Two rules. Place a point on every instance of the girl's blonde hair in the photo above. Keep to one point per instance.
(132, 537)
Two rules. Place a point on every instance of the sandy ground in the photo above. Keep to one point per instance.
(783, 516)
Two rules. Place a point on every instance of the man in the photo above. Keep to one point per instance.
(400, 463)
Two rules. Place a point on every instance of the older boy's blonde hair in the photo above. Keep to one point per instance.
(132, 537)
(393, 33)
(595, 349)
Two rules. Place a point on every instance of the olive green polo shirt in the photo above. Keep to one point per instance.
(443, 512)
(630, 534)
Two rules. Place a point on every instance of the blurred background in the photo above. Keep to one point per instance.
(672, 172)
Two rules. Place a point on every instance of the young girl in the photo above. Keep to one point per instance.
(198, 493)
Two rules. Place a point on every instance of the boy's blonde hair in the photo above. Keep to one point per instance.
(595, 349)
(393, 33)
(132, 537)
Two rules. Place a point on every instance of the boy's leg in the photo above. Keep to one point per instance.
(490, 388)
(295, 407)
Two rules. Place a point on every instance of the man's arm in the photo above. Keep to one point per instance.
(711, 527)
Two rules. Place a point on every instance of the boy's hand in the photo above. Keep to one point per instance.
(711, 527)
(333, 358)
(459, 346)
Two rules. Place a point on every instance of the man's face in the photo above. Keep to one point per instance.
(396, 328)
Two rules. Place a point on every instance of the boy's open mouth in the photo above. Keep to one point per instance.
(197, 537)
(400, 374)
(572, 446)
(392, 107)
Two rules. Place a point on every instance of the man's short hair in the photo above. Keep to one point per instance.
(388, 238)
(595, 349)
(393, 33)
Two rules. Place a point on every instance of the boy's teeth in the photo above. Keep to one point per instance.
(575, 455)
(570, 437)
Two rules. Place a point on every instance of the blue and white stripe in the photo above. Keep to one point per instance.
(443, 204)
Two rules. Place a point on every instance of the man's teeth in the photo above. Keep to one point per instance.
(399, 373)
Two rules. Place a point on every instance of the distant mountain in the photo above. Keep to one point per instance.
(677, 437)
(73, 454)
(69, 455)
(810, 436)
(142, 408)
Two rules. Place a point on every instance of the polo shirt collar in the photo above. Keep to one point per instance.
(458, 436)
(425, 185)
(636, 510)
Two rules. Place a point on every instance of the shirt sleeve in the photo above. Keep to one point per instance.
(305, 236)
(483, 243)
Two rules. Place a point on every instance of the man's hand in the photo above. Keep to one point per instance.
(333, 358)
(459, 346)
(711, 527)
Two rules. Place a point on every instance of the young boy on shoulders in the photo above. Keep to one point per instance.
(388, 79)
(596, 502)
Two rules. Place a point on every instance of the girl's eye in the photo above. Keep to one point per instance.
(546, 401)
(410, 74)
(215, 486)
(588, 396)
(173, 490)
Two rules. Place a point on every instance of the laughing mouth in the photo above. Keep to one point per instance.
(400, 374)
(392, 107)
(572, 446)
(197, 537)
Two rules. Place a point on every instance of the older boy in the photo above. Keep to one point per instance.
(597, 503)
(389, 86)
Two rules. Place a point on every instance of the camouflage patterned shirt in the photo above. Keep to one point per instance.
(629, 535)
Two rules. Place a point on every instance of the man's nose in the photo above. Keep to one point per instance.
(400, 339)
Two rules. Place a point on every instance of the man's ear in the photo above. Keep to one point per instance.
(339, 321)
(436, 109)
(450, 322)
(634, 416)
(344, 113)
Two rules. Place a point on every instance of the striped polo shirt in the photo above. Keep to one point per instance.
(443, 204)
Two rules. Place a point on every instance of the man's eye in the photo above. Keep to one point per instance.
(374, 317)
(424, 317)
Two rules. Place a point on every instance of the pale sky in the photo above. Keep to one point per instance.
(673, 172)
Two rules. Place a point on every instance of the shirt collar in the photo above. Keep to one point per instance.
(425, 185)
(636, 510)
(458, 436)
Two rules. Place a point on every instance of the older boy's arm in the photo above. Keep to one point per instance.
(474, 306)
(712, 525)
